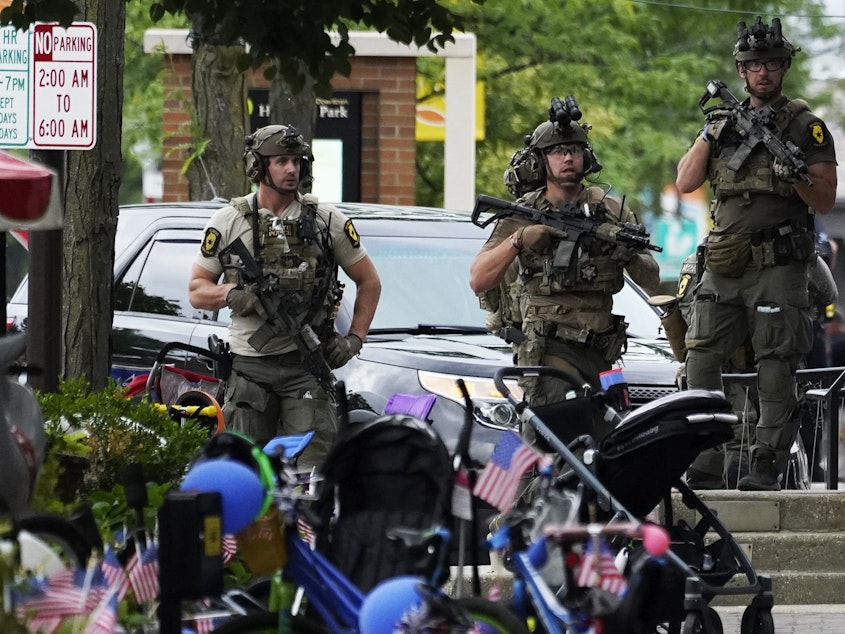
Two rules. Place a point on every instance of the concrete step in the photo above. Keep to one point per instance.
(771, 511)
(794, 587)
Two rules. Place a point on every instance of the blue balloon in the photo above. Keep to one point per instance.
(240, 489)
(385, 604)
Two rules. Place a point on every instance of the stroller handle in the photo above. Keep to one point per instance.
(518, 372)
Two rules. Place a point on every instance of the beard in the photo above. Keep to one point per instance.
(568, 179)
(766, 94)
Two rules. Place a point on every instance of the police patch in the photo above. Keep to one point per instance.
(817, 132)
(683, 285)
(210, 242)
(353, 236)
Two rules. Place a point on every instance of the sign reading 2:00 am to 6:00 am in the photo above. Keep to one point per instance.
(48, 87)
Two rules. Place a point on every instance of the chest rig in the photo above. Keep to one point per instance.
(583, 265)
(296, 259)
(755, 174)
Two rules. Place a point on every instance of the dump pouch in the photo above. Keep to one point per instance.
(728, 255)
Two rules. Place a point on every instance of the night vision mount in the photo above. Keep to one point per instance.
(562, 113)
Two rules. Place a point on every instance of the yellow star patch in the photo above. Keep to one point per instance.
(352, 234)
(210, 242)
(817, 132)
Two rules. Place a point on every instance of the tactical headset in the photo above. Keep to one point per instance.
(276, 140)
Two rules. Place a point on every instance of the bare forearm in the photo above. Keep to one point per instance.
(489, 266)
(205, 293)
(366, 302)
(692, 168)
(822, 194)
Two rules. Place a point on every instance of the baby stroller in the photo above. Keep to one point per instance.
(385, 472)
(632, 470)
(182, 393)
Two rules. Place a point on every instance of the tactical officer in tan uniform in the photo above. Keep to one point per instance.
(760, 247)
(566, 308)
(298, 245)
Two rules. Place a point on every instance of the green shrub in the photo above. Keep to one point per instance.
(103, 432)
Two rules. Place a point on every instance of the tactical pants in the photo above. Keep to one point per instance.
(771, 304)
(585, 360)
(270, 396)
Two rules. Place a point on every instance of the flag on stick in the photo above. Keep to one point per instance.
(499, 480)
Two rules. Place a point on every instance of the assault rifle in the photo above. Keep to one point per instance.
(570, 219)
(279, 322)
(755, 127)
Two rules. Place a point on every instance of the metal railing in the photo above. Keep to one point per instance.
(830, 395)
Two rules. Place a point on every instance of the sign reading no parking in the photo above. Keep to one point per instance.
(48, 87)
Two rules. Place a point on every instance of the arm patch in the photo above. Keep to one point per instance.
(354, 238)
(210, 243)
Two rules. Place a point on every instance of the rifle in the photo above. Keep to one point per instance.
(620, 233)
(755, 127)
(279, 322)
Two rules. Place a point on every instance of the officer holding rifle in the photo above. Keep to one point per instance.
(565, 279)
(769, 160)
(279, 252)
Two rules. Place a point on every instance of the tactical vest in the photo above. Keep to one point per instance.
(590, 267)
(756, 174)
(295, 256)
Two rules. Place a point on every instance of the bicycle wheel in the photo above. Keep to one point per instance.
(491, 616)
(60, 534)
(267, 623)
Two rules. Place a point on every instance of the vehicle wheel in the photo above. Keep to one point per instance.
(266, 623)
(492, 616)
(60, 534)
(757, 621)
(705, 622)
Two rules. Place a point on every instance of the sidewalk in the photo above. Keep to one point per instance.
(793, 619)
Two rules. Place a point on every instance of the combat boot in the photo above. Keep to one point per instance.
(764, 474)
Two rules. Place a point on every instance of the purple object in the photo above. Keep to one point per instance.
(416, 406)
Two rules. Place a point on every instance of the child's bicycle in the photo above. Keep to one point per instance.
(333, 603)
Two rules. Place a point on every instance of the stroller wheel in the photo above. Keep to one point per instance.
(200, 406)
(705, 622)
(756, 620)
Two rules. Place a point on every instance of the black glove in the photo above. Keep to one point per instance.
(244, 302)
(339, 350)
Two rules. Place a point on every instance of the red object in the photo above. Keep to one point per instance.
(24, 189)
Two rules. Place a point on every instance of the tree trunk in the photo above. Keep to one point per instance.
(220, 100)
(91, 206)
(298, 109)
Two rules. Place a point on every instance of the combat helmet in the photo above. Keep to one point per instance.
(275, 140)
(762, 42)
(527, 168)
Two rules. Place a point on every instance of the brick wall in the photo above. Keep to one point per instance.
(388, 146)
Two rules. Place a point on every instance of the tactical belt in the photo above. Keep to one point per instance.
(560, 332)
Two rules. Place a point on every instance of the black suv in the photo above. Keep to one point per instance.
(428, 330)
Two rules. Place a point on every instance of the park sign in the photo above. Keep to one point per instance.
(48, 87)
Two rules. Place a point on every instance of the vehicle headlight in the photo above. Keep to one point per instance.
(491, 407)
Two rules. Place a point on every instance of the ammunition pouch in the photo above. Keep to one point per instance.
(728, 254)
(782, 244)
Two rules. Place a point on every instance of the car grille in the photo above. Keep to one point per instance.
(642, 394)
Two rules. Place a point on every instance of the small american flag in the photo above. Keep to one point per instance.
(306, 531)
(104, 618)
(114, 573)
(600, 571)
(499, 480)
(230, 547)
(142, 571)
